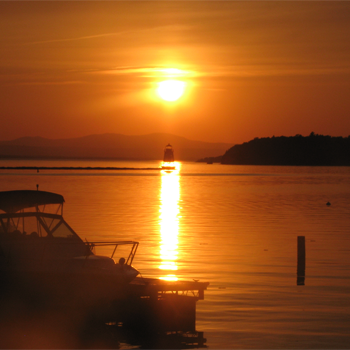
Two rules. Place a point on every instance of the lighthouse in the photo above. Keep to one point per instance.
(168, 159)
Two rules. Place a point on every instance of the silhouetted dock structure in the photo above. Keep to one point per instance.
(159, 304)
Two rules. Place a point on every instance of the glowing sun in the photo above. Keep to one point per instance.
(171, 90)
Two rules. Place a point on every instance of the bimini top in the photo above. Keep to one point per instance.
(13, 201)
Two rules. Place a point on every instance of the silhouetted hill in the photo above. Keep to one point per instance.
(110, 146)
(295, 150)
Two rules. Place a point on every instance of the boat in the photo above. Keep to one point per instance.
(42, 256)
(168, 159)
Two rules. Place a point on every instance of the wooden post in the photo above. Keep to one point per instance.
(301, 261)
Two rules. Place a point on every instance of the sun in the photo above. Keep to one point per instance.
(171, 90)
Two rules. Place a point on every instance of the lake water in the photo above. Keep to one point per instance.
(233, 226)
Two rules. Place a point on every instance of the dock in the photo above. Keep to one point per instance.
(157, 288)
(158, 304)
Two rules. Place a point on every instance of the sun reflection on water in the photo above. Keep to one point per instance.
(169, 218)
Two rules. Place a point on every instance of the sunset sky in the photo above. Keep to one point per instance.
(250, 69)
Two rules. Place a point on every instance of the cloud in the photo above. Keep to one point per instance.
(142, 32)
(87, 37)
(150, 72)
(51, 82)
(230, 71)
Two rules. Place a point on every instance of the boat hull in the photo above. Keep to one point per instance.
(68, 289)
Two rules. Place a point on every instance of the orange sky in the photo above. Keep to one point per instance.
(253, 69)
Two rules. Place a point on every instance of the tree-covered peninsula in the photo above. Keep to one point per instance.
(295, 150)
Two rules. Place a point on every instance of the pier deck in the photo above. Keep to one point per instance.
(157, 288)
(159, 304)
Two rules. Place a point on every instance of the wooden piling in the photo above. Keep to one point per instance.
(301, 261)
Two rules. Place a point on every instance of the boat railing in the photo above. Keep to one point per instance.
(92, 245)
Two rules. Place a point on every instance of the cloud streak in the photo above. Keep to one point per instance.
(133, 32)
(87, 37)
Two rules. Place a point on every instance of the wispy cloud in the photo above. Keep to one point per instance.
(272, 70)
(150, 72)
(229, 71)
(51, 82)
(87, 37)
(144, 31)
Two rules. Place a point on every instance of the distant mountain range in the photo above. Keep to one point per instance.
(110, 146)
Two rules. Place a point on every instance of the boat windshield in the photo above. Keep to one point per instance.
(35, 225)
(62, 230)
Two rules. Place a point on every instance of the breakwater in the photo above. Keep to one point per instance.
(73, 168)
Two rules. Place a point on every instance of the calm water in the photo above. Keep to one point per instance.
(233, 226)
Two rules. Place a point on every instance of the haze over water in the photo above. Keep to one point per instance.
(233, 226)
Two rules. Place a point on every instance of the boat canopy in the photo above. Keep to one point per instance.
(13, 201)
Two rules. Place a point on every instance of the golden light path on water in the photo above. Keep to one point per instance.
(169, 218)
